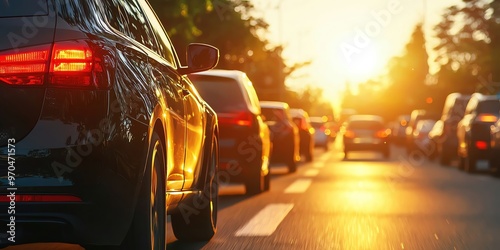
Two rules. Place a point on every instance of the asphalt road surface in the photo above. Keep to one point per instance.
(363, 202)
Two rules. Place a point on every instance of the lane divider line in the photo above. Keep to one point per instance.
(265, 222)
(298, 186)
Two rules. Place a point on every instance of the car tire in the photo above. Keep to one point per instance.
(201, 226)
(267, 181)
(461, 162)
(292, 165)
(470, 164)
(345, 154)
(255, 183)
(325, 147)
(309, 156)
(145, 231)
(444, 159)
(386, 153)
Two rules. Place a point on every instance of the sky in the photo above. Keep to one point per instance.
(346, 40)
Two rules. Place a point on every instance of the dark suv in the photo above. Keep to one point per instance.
(474, 130)
(100, 129)
(446, 139)
(244, 137)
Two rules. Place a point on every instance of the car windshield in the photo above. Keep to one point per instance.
(18, 8)
(489, 106)
(272, 114)
(222, 94)
(365, 125)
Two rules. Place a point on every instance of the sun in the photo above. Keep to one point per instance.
(364, 65)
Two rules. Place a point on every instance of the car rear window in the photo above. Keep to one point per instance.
(222, 94)
(272, 114)
(17, 8)
(489, 106)
(369, 125)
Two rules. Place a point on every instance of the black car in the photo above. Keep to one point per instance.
(100, 128)
(445, 139)
(306, 133)
(244, 137)
(284, 133)
(366, 133)
(474, 130)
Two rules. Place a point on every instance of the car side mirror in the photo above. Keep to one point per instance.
(200, 57)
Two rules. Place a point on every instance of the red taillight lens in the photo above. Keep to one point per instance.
(239, 119)
(487, 118)
(482, 145)
(40, 198)
(383, 133)
(68, 63)
(25, 66)
(349, 134)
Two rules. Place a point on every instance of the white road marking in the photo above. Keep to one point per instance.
(311, 172)
(298, 186)
(319, 164)
(266, 221)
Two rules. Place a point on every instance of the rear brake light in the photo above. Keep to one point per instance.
(482, 145)
(383, 133)
(349, 134)
(487, 118)
(240, 119)
(40, 198)
(67, 63)
(24, 66)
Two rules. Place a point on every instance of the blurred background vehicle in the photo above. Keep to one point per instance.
(366, 133)
(323, 131)
(306, 132)
(284, 133)
(474, 130)
(416, 115)
(445, 133)
(398, 132)
(244, 138)
(421, 137)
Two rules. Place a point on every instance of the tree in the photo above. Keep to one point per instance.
(464, 50)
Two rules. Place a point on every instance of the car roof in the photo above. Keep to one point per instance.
(274, 104)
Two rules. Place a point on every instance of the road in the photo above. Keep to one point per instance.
(364, 202)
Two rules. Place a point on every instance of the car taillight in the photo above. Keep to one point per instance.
(349, 134)
(68, 63)
(40, 198)
(487, 118)
(383, 133)
(482, 145)
(24, 66)
(240, 119)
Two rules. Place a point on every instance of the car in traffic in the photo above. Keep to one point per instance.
(102, 133)
(306, 132)
(366, 133)
(323, 131)
(415, 117)
(398, 135)
(285, 135)
(421, 137)
(474, 130)
(445, 135)
(244, 138)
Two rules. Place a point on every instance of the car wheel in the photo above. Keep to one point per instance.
(345, 154)
(292, 165)
(444, 159)
(202, 224)
(461, 162)
(470, 164)
(309, 156)
(386, 153)
(255, 183)
(148, 226)
(326, 146)
(267, 181)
